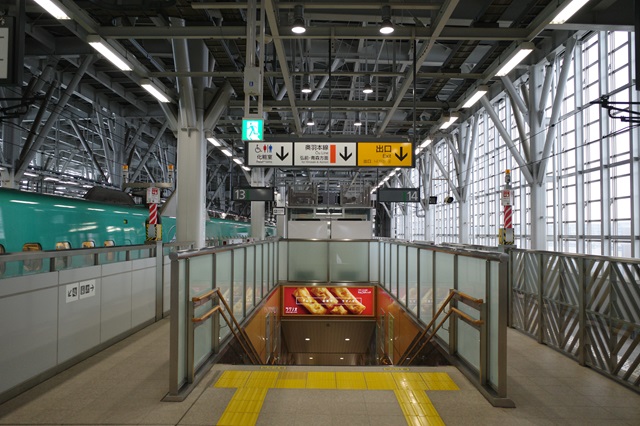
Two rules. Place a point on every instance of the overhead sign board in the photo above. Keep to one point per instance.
(328, 154)
(253, 193)
(385, 154)
(269, 154)
(325, 154)
(399, 195)
(252, 129)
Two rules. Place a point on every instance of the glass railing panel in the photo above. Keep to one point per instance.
(181, 316)
(402, 274)
(426, 286)
(393, 270)
(223, 273)
(374, 261)
(259, 272)
(349, 261)
(386, 261)
(239, 290)
(252, 296)
(493, 327)
(412, 279)
(308, 261)
(283, 259)
(444, 282)
(472, 277)
(201, 281)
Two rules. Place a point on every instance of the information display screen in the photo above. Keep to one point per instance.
(330, 301)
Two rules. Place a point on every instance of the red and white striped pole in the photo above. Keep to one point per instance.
(506, 233)
(153, 214)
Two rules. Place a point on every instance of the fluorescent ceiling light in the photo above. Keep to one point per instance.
(425, 142)
(30, 174)
(515, 58)
(568, 11)
(246, 169)
(237, 160)
(480, 92)
(227, 152)
(53, 7)
(149, 87)
(448, 121)
(108, 52)
(51, 179)
(214, 141)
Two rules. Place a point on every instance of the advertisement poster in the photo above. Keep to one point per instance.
(328, 301)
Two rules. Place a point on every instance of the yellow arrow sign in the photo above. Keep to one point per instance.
(385, 154)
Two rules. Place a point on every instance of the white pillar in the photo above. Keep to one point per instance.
(538, 133)
(192, 154)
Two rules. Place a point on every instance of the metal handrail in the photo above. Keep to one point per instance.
(411, 353)
(231, 321)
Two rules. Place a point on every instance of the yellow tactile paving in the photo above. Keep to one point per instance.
(438, 381)
(232, 379)
(321, 380)
(350, 381)
(292, 380)
(410, 381)
(262, 379)
(417, 408)
(380, 381)
(409, 388)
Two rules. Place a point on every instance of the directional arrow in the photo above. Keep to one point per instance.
(401, 156)
(282, 154)
(346, 154)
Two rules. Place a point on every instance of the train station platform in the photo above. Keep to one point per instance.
(125, 384)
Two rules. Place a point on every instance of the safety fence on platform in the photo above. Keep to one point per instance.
(585, 306)
(60, 307)
(242, 274)
(420, 277)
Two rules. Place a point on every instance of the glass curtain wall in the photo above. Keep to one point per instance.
(592, 174)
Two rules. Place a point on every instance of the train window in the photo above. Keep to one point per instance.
(63, 245)
(32, 265)
(88, 244)
(63, 262)
(2, 249)
(110, 256)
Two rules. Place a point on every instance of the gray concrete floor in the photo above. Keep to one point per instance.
(124, 385)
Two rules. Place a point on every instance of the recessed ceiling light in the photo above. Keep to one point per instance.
(341, 357)
(310, 357)
(347, 339)
(307, 339)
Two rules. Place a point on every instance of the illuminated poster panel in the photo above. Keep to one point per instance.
(328, 301)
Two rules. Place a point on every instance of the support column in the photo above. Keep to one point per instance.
(537, 131)
(257, 207)
(192, 146)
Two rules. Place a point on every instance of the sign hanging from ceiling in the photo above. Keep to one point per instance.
(329, 154)
(269, 154)
(252, 129)
(385, 154)
(323, 154)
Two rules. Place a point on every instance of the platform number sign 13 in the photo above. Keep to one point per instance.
(253, 194)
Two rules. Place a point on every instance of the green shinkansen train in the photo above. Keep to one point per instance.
(30, 221)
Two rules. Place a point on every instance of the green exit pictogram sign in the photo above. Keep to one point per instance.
(252, 129)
